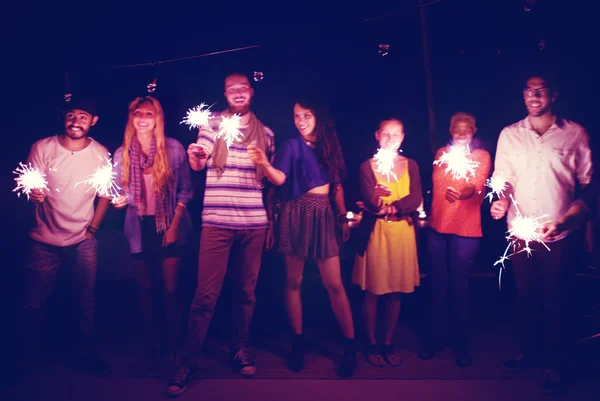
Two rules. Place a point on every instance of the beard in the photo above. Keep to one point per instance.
(75, 135)
(239, 109)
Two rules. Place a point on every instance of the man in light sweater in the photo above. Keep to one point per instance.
(66, 223)
(544, 158)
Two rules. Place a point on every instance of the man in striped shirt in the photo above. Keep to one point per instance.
(234, 219)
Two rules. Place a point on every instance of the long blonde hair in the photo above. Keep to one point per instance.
(161, 173)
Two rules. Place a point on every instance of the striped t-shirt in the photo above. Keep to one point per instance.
(234, 201)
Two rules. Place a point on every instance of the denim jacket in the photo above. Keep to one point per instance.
(182, 185)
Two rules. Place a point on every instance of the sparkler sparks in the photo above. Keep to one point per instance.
(526, 229)
(103, 180)
(230, 129)
(384, 159)
(28, 179)
(197, 116)
(498, 185)
(458, 161)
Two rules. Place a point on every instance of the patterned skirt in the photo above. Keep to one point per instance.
(308, 229)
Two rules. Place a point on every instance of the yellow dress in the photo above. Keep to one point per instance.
(390, 263)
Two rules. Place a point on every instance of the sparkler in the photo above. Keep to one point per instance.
(498, 185)
(102, 180)
(28, 179)
(458, 161)
(230, 129)
(524, 228)
(197, 116)
(384, 159)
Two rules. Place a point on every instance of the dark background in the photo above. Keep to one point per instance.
(481, 53)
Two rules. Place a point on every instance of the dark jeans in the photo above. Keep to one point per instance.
(452, 259)
(41, 270)
(216, 244)
(543, 282)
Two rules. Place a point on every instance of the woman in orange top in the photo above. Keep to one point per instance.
(455, 221)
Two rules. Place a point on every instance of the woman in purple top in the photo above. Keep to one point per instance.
(154, 172)
(309, 169)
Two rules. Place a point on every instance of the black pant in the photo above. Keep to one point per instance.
(543, 282)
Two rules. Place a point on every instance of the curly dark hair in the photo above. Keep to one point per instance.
(327, 144)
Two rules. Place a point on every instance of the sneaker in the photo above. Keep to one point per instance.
(389, 355)
(296, 359)
(553, 382)
(93, 365)
(463, 358)
(517, 364)
(180, 381)
(374, 357)
(243, 363)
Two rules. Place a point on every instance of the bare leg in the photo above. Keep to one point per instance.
(392, 313)
(370, 316)
(373, 354)
(293, 300)
(332, 279)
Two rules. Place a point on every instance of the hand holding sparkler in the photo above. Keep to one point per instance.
(37, 195)
(552, 230)
(499, 208)
(452, 194)
(573, 218)
(31, 182)
(197, 151)
(380, 191)
(119, 202)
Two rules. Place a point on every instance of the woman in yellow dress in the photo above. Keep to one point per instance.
(386, 263)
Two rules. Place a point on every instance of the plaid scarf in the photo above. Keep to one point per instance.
(138, 164)
(254, 135)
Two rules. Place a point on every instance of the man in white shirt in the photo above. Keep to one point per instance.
(544, 159)
(64, 231)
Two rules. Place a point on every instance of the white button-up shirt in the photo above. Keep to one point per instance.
(543, 169)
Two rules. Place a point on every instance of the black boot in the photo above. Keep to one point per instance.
(348, 362)
(296, 361)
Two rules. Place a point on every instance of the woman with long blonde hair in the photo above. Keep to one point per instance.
(154, 173)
